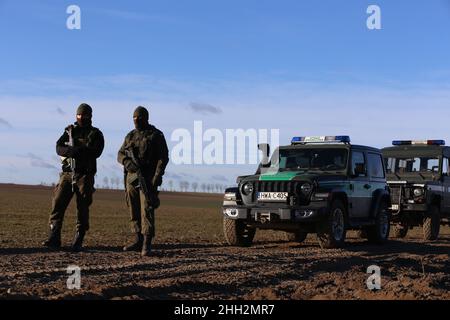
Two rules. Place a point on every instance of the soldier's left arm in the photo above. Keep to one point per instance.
(163, 160)
(95, 144)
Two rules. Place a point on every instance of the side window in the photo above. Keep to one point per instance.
(358, 164)
(375, 165)
(433, 165)
(445, 168)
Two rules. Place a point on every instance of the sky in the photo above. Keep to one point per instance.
(302, 67)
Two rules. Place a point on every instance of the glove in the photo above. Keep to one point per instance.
(130, 166)
(157, 181)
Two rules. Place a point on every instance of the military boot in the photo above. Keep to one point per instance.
(136, 245)
(54, 238)
(146, 246)
(77, 244)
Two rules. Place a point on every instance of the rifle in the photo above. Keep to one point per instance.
(71, 161)
(142, 183)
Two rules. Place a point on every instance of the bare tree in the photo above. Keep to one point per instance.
(194, 186)
(203, 187)
(106, 182)
(170, 183)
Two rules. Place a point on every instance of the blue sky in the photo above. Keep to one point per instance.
(303, 67)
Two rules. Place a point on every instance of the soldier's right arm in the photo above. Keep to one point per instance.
(61, 148)
(121, 155)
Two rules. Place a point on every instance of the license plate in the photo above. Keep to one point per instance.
(272, 196)
(394, 207)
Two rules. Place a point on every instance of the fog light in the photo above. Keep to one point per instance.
(231, 212)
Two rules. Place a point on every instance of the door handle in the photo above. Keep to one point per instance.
(367, 186)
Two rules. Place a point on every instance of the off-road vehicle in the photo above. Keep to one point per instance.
(419, 182)
(322, 185)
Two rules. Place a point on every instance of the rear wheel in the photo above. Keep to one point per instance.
(379, 232)
(237, 233)
(331, 233)
(432, 224)
(298, 236)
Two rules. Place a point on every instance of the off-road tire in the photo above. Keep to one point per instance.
(379, 232)
(432, 224)
(331, 233)
(237, 233)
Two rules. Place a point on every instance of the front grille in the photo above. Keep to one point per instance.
(407, 193)
(277, 186)
(395, 195)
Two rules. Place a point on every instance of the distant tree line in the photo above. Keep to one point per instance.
(181, 186)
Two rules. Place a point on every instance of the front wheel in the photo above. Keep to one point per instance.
(432, 224)
(379, 232)
(237, 233)
(331, 233)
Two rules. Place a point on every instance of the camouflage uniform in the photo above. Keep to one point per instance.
(150, 149)
(88, 144)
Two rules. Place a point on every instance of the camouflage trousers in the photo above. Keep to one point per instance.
(142, 212)
(62, 195)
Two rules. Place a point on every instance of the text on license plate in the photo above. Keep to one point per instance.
(272, 196)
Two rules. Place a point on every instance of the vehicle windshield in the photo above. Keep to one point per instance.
(412, 165)
(304, 159)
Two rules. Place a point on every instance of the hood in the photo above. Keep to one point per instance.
(411, 178)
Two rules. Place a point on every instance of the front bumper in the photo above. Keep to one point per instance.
(313, 212)
(397, 209)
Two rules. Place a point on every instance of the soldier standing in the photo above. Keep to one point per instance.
(144, 155)
(79, 147)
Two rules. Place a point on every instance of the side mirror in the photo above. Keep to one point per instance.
(265, 149)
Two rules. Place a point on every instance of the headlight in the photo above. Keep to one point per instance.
(418, 192)
(306, 188)
(247, 189)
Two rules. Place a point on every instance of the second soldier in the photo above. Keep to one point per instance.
(144, 155)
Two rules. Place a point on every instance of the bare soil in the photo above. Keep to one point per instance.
(191, 260)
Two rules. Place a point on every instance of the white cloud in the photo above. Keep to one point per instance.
(371, 115)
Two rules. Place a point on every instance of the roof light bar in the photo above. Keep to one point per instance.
(320, 139)
(418, 142)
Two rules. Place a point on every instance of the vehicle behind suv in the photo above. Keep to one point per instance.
(321, 185)
(419, 182)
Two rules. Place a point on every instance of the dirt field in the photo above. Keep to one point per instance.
(191, 260)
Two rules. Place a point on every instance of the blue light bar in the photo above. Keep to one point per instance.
(418, 142)
(320, 139)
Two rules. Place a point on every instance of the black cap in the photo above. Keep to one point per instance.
(84, 108)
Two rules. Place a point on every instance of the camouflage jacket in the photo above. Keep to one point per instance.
(150, 149)
(88, 146)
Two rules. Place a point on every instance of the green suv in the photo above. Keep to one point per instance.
(419, 180)
(322, 185)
